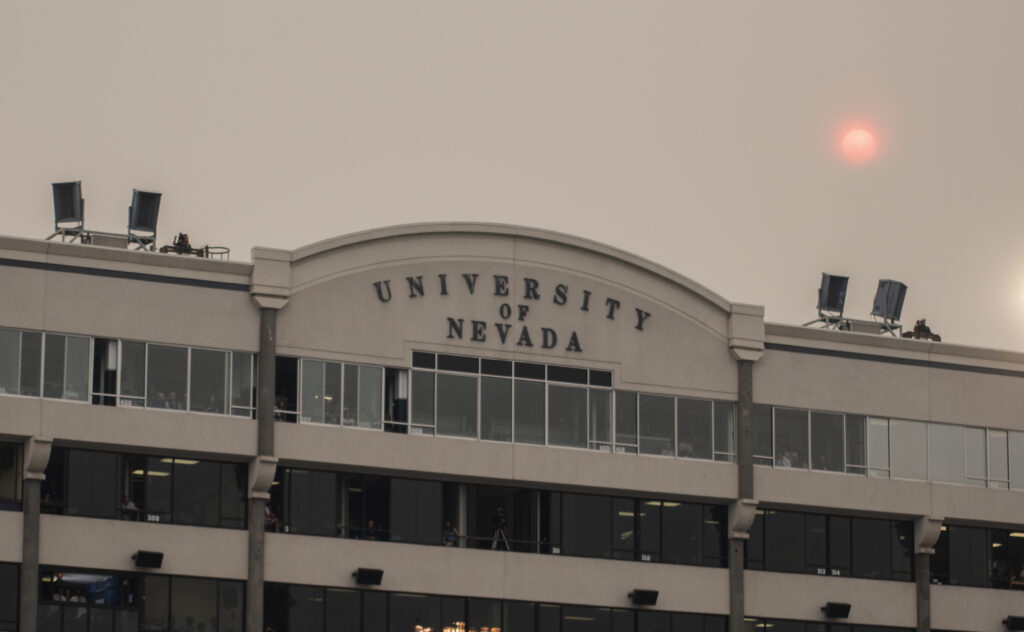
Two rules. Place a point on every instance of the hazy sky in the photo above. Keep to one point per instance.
(701, 135)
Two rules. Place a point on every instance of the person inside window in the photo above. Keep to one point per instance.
(270, 520)
(371, 532)
(450, 535)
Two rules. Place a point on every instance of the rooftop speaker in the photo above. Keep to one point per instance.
(1014, 623)
(148, 559)
(835, 610)
(68, 205)
(889, 299)
(832, 293)
(643, 597)
(368, 576)
(142, 214)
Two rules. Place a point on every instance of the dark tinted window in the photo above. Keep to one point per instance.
(526, 369)
(9, 582)
(416, 511)
(681, 527)
(872, 546)
(784, 541)
(92, 484)
(600, 378)
(422, 360)
(196, 492)
(411, 612)
(311, 502)
(567, 374)
(586, 525)
(496, 367)
(458, 363)
(342, 610)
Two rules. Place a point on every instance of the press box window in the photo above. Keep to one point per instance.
(20, 362)
(66, 367)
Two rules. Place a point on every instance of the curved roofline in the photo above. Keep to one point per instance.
(509, 230)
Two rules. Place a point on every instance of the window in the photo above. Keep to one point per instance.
(761, 434)
(790, 438)
(495, 408)
(976, 468)
(998, 473)
(600, 419)
(243, 391)
(146, 488)
(423, 401)
(208, 381)
(567, 416)
(133, 374)
(625, 422)
(725, 431)
(909, 449)
(694, 427)
(66, 367)
(946, 453)
(321, 392)
(20, 362)
(586, 524)
(9, 588)
(856, 444)
(878, 446)
(827, 442)
(286, 388)
(529, 411)
(166, 371)
(456, 405)
(10, 475)
(1016, 445)
(363, 396)
(396, 399)
(657, 425)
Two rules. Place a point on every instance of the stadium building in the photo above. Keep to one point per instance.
(483, 428)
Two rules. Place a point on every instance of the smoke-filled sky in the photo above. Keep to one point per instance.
(702, 135)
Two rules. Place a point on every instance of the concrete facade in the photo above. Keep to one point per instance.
(374, 298)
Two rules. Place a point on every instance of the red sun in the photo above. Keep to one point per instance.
(859, 145)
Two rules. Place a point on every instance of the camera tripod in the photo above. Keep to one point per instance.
(499, 535)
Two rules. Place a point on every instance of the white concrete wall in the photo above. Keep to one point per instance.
(472, 572)
(981, 609)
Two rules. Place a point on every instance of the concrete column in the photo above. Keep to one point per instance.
(271, 281)
(926, 534)
(37, 455)
(746, 343)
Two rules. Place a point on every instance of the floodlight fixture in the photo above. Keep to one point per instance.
(889, 297)
(142, 218)
(836, 610)
(148, 559)
(832, 294)
(68, 209)
(368, 576)
(1014, 623)
(641, 597)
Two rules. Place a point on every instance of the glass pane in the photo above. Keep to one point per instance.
(31, 362)
(312, 399)
(157, 489)
(422, 398)
(520, 616)
(412, 613)
(856, 443)
(76, 619)
(92, 484)
(155, 602)
(10, 360)
(456, 405)
(351, 395)
(53, 366)
(371, 384)
(49, 618)
(625, 418)
(133, 369)
(909, 448)
(946, 453)
(76, 374)
(484, 615)
(624, 528)
(311, 503)
(997, 466)
(681, 532)
(9, 579)
(815, 544)
(231, 614)
(694, 417)
(128, 621)
(784, 545)
(342, 611)
(495, 409)
(415, 511)
(586, 619)
(878, 446)
(977, 471)
(209, 381)
(657, 425)
(567, 416)
(600, 417)
(196, 492)
(1017, 462)
(827, 442)
(725, 431)
(839, 545)
(529, 410)
(166, 368)
(872, 548)
(586, 525)
(332, 393)
(101, 620)
(233, 485)
(306, 611)
(761, 431)
(241, 379)
(10, 474)
(790, 438)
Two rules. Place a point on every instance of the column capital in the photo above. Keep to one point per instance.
(261, 476)
(741, 518)
(746, 331)
(926, 534)
(37, 456)
(271, 277)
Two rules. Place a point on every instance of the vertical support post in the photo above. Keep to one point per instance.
(923, 571)
(746, 344)
(926, 533)
(270, 289)
(463, 504)
(29, 594)
(36, 457)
